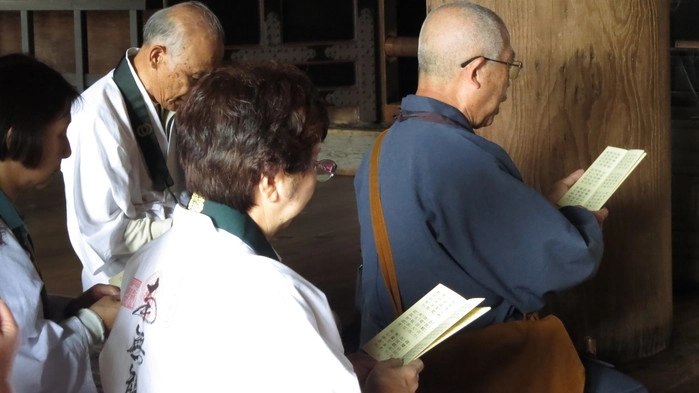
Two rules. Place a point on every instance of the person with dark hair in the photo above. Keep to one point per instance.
(57, 336)
(209, 306)
(123, 181)
(9, 342)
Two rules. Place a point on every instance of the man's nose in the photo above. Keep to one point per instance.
(67, 151)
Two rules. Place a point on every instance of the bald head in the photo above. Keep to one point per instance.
(180, 44)
(455, 32)
(172, 27)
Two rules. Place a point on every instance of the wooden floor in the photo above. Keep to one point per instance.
(322, 244)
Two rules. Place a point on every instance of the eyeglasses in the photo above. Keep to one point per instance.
(514, 66)
(325, 169)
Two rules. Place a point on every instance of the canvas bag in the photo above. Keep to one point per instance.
(526, 356)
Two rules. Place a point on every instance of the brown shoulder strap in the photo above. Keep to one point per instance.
(383, 246)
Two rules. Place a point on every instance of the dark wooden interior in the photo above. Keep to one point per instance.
(599, 74)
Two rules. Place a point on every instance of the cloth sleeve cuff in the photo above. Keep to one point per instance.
(94, 325)
(158, 227)
(137, 233)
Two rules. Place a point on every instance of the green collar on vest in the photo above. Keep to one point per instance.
(235, 223)
(9, 214)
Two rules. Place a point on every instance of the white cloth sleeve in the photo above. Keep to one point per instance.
(141, 231)
(52, 357)
(107, 184)
(94, 325)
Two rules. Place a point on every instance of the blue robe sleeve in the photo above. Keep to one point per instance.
(458, 213)
(506, 235)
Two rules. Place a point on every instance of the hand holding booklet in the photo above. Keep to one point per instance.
(434, 318)
(602, 178)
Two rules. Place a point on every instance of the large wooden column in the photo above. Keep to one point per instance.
(596, 73)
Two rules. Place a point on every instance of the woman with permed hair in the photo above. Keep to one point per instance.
(209, 306)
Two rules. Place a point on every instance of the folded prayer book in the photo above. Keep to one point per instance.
(602, 178)
(434, 318)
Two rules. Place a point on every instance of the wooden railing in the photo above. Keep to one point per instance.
(81, 78)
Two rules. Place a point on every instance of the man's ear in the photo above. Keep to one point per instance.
(8, 138)
(268, 188)
(156, 55)
(473, 72)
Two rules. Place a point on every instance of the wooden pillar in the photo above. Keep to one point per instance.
(596, 73)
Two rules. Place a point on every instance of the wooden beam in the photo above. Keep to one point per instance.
(80, 45)
(70, 5)
(135, 27)
(687, 44)
(27, 29)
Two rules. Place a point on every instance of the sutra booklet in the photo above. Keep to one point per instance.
(438, 315)
(602, 178)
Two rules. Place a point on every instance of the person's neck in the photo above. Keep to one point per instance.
(8, 180)
(443, 94)
(435, 93)
(142, 66)
(263, 220)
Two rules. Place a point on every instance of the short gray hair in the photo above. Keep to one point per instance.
(162, 28)
(474, 31)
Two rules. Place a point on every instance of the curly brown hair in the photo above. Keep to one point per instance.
(242, 122)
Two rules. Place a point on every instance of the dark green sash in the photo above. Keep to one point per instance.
(142, 127)
(240, 225)
(9, 214)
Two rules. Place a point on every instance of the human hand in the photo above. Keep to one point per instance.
(89, 297)
(392, 376)
(562, 186)
(601, 215)
(107, 308)
(363, 364)
(9, 342)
